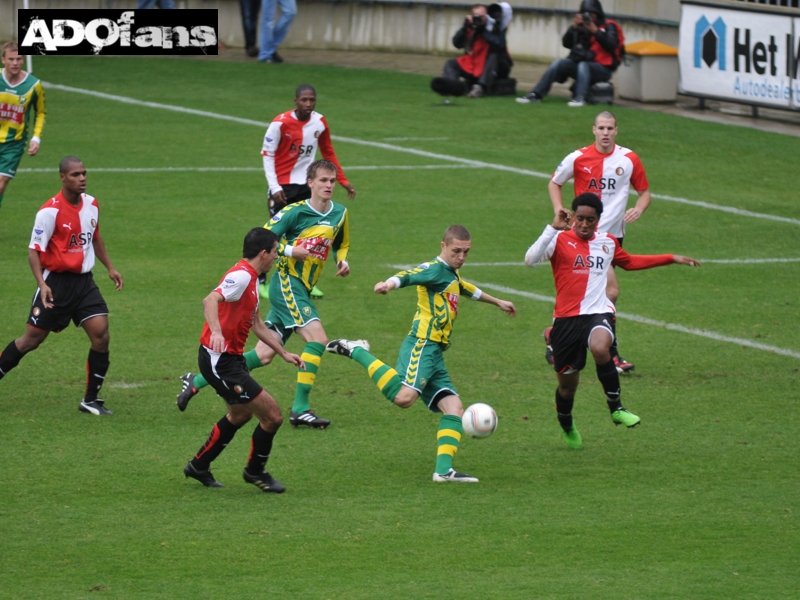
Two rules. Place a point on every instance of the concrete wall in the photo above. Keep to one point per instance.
(408, 26)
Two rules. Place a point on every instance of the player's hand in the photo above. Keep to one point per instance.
(33, 148)
(47, 295)
(577, 21)
(300, 252)
(295, 360)
(562, 219)
(507, 307)
(382, 287)
(344, 269)
(116, 277)
(686, 260)
(632, 214)
(217, 342)
(278, 199)
(351, 191)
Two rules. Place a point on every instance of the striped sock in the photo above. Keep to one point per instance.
(251, 358)
(447, 439)
(384, 376)
(312, 355)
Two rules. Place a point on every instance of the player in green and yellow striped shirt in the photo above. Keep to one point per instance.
(19, 93)
(420, 369)
(310, 231)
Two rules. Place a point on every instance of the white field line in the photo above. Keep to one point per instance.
(416, 139)
(393, 148)
(720, 261)
(639, 319)
(249, 169)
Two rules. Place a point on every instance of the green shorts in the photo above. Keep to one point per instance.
(10, 155)
(290, 305)
(421, 367)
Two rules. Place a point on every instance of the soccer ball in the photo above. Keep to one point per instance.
(479, 420)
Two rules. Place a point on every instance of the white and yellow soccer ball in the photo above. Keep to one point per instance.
(479, 420)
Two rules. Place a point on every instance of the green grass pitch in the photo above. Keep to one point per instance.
(700, 501)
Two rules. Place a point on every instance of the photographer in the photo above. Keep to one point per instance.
(595, 45)
(485, 58)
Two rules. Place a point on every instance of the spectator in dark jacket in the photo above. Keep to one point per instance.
(485, 58)
(594, 45)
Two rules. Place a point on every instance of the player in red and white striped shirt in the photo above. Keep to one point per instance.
(608, 171)
(582, 258)
(65, 240)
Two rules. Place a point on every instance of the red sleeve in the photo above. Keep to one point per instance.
(637, 262)
(638, 177)
(326, 148)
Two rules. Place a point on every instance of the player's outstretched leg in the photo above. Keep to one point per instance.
(192, 383)
(448, 437)
(564, 411)
(301, 414)
(609, 378)
(199, 467)
(384, 376)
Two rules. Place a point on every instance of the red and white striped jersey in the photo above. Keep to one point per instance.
(580, 268)
(63, 234)
(610, 176)
(239, 310)
(290, 146)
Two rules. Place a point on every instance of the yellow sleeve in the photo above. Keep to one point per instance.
(341, 244)
(467, 288)
(38, 125)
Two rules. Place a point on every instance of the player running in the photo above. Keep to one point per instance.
(608, 171)
(290, 146)
(231, 310)
(420, 369)
(20, 92)
(582, 258)
(311, 231)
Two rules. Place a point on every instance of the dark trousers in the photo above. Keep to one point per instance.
(495, 68)
(584, 73)
(250, 22)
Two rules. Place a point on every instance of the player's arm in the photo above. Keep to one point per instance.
(326, 149)
(640, 184)
(633, 214)
(102, 256)
(38, 274)
(422, 275)
(341, 246)
(556, 197)
(38, 124)
(211, 313)
(637, 262)
(271, 142)
(263, 333)
(544, 247)
(475, 293)
(280, 224)
(564, 172)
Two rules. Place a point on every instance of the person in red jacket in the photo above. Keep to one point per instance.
(595, 45)
(485, 58)
(581, 259)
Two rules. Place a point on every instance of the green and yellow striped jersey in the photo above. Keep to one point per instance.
(15, 102)
(298, 224)
(439, 287)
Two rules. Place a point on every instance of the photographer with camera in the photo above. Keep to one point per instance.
(596, 46)
(485, 58)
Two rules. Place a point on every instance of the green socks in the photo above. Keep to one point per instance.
(447, 440)
(251, 358)
(312, 355)
(384, 376)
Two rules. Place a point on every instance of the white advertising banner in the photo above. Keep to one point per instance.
(739, 55)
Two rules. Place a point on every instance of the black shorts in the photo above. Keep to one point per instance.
(76, 297)
(570, 339)
(228, 375)
(294, 192)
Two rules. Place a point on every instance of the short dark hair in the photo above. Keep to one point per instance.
(304, 87)
(65, 163)
(456, 232)
(588, 199)
(318, 165)
(258, 239)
